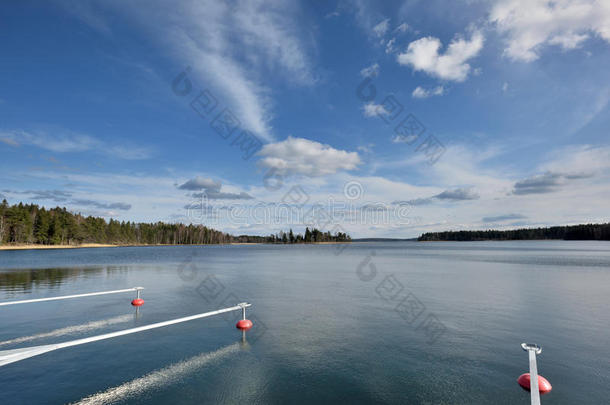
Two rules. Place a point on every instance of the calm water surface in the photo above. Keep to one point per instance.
(429, 323)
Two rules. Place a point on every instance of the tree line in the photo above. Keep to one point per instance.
(310, 236)
(573, 232)
(31, 224)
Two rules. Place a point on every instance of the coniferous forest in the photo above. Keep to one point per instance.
(574, 232)
(31, 224)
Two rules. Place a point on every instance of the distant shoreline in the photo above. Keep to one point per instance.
(51, 247)
(103, 245)
(567, 232)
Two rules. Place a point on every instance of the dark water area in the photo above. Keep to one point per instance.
(387, 322)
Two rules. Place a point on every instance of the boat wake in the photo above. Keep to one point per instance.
(70, 330)
(159, 378)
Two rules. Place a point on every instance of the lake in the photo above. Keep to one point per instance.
(388, 322)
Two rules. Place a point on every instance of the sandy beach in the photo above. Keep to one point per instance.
(37, 247)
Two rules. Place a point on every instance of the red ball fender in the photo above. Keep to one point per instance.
(244, 324)
(138, 302)
(544, 386)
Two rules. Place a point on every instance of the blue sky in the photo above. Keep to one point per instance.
(509, 97)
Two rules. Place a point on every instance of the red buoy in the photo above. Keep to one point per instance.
(244, 324)
(138, 302)
(544, 386)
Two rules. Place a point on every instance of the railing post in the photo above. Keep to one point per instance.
(532, 351)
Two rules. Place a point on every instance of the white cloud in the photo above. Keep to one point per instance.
(531, 24)
(389, 46)
(222, 195)
(462, 174)
(89, 13)
(101, 205)
(420, 92)
(366, 148)
(129, 152)
(543, 183)
(65, 198)
(232, 47)
(402, 27)
(460, 166)
(577, 189)
(66, 142)
(505, 86)
(424, 55)
(309, 158)
(458, 194)
(381, 28)
(404, 139)
(568, 41)
(370, 71)
(56, 143)
(374, 110)
(451, 195)
(201, 183)
(503, 218)
(583, 159)
(210, 189)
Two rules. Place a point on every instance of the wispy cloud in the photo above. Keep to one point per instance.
(87, 12)
(380, 29)
(53, 195)
(458, 194)
(219, 195)
(420, 92)
(370, 71)
(389, 46)
(9, 140)
(366, 148)
(59, 142)
(502, 218)
(232, 47)
(452, 195)
(575, 159)
(404, 27)
(65, 197)
(100, 205)
(69, 142)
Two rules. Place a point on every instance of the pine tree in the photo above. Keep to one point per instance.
(41, 227)
(3, 225)
(33, 224)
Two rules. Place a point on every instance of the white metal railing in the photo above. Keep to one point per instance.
(533, 350)
(11, 356)
(65, 297)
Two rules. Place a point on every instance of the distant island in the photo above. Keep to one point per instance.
(384, 240)
(31, 225)
(573, 232)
